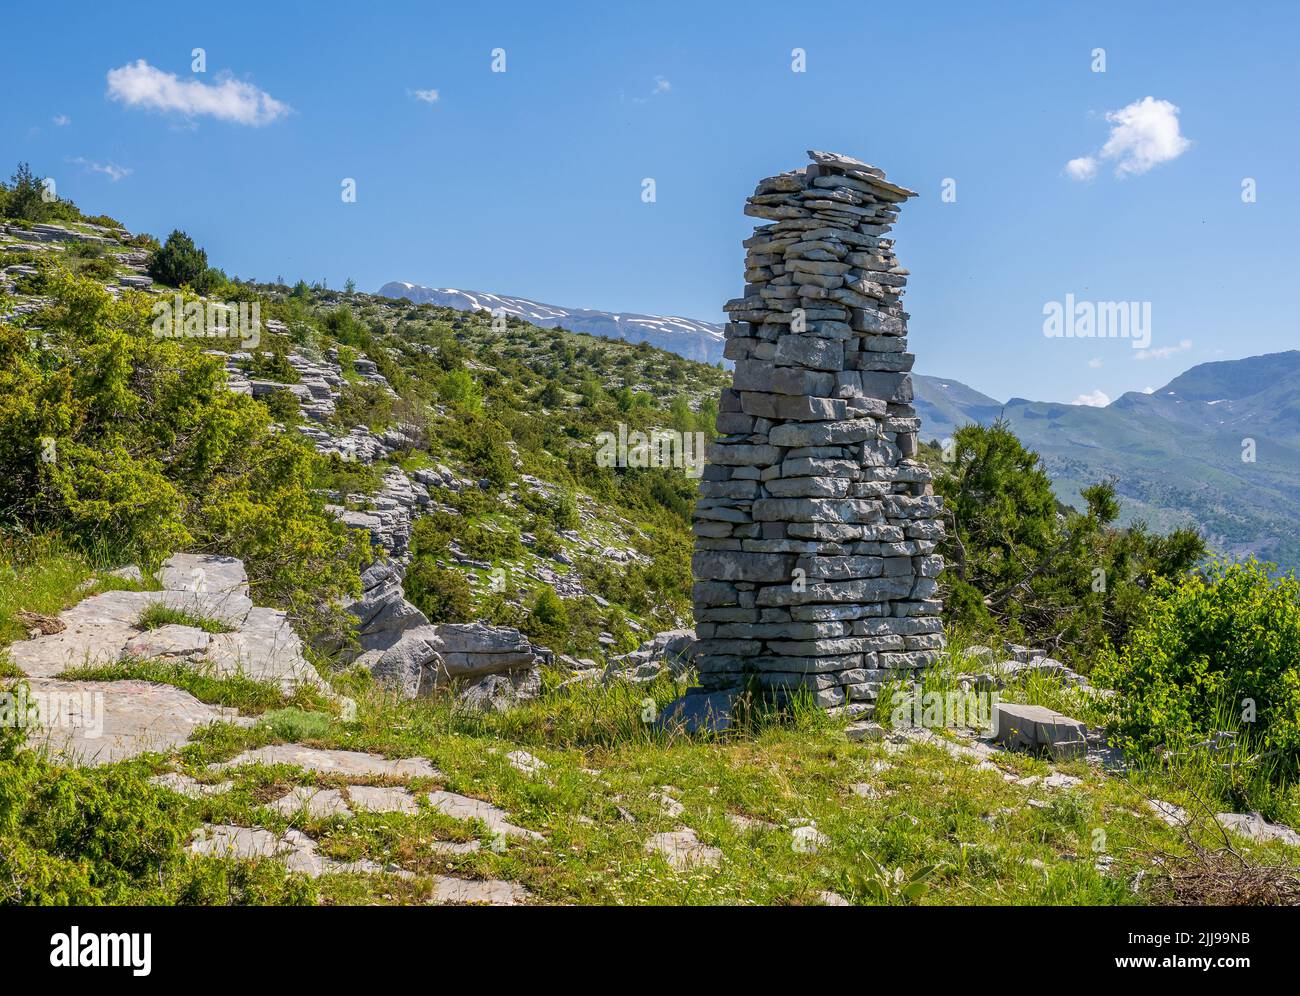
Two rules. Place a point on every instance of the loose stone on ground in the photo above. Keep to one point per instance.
(683, 850)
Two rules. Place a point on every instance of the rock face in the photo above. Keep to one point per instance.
(97, 722)
(672, 649)
(1037, 728)
(426, 657)
(816, 528)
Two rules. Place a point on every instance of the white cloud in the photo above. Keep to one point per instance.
(1083, 168)
(1164, 352)
(139, 84)
(1145, 135)
(1094, 399)
(61, 120)
(428, 96)
(1142, 136)
(661, 86)
(1148, 390)
(111, 170)
(1095, 363)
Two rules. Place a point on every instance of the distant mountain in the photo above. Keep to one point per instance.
(1176, 454)
(686, 337)
(945, 405)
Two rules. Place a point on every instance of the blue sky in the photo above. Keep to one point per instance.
(528, 182)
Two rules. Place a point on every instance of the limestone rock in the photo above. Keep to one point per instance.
(427, 657)
(332, 762)
(1039, 728)
(478, 892)
(672, 650)
(683, 850)
(168, 641)
(460, 807)
(1254, 826)
(499, 692)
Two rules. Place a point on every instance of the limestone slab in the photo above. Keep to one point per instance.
(332, 762)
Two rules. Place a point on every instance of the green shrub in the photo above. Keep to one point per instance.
(564, 514)
(96, 836)
(1021, 564)
(282, 404)
(1218, 647)
(440, 593)
(548, 618)
(364, 403)
(179, 263)
(492, 542)
(546, 542)
(459, 388)
(100, 269)
(130, 445)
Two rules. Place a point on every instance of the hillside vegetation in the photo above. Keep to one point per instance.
(119, 446)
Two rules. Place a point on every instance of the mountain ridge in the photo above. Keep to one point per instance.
(1217, 447)
(1176, 454)
(687, 337)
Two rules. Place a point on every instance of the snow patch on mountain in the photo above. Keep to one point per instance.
(687, 337)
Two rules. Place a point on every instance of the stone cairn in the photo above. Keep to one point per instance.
(815, 529)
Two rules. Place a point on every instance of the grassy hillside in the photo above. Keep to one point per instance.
(792, 806)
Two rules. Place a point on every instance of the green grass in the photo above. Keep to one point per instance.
(237, 691)
(293, 723)
(37, 575)
(42, 574)
(597, 801)
(988, 839)
(158, 615)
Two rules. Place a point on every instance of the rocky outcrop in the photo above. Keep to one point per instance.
(389, 514)
(816, 528)
(1021, 662)
(404, 651)
(113, 720)
(499, 692)
(672, 651)
(382, 612)
(428, 657)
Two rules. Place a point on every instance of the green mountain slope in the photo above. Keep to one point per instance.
(1176, 454)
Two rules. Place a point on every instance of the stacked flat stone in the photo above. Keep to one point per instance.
(815, 564)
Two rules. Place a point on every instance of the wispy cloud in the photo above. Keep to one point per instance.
(139, 84)
(1095, 363)
(1142, 136)
(661, 85)
(110, 169)
(1164, 352)
(61, 120)
(428, 96)
(1094, 399)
